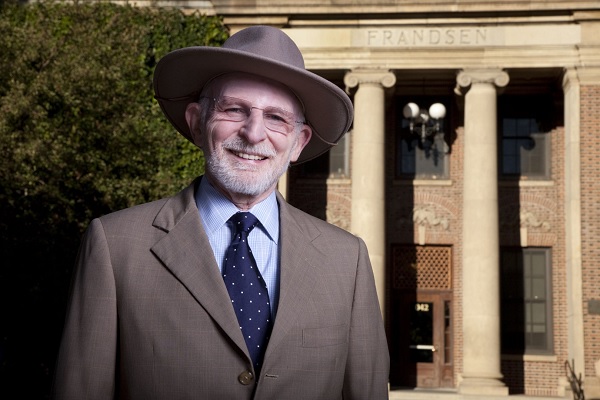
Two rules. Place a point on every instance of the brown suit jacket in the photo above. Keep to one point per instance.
(150, 318)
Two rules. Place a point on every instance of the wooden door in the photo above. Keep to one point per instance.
(421, 321)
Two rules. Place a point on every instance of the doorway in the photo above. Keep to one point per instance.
(421, 318)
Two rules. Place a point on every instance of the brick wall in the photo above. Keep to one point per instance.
(590, 210)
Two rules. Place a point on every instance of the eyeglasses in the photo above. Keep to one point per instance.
(238, 110)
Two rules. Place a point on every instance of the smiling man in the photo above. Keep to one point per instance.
(225, 291)
(248, 142)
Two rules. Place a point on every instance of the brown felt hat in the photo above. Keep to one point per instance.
(260, 50)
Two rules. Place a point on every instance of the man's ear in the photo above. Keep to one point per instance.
(301, 141)
(192, 117)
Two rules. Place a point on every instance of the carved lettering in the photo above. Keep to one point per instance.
(427, 37)
(387, 37)
(418, 35)
(403, 39)
(481, 35)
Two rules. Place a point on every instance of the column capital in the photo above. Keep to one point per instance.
(467, 77)
(570, 78)
(381, 77)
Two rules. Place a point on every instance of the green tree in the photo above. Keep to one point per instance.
(80, 136)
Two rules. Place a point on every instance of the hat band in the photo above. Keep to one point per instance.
(193, 95)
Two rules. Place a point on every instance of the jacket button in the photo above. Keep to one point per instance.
(246, 378)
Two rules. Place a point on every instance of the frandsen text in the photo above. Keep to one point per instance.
(427, 37)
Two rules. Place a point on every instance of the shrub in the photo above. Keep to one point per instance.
(80, 136)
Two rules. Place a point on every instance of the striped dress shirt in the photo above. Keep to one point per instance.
(215, 209)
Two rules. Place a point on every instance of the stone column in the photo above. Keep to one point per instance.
(368, 165)
(481, 245)
(282, 185)
(572, 100)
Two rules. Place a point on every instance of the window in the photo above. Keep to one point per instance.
(524, 124)
(416, 158)
(332, 164)
(339, 156)
(526, 314)
(427, 160)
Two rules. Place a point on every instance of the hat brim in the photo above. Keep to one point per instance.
(180, 76)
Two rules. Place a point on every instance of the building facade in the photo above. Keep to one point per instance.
(482, 233)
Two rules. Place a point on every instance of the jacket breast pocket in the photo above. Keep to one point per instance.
(325, 336)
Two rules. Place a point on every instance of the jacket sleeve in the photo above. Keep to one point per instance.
(86, 361)
(367, 369)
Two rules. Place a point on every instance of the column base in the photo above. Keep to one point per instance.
(483, 386)
(592, 387)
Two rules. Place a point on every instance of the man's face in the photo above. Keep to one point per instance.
(246, 158)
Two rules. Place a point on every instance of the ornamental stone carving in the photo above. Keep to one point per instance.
(424, 215)
(529, 220)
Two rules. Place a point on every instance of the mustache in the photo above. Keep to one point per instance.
(238, 144)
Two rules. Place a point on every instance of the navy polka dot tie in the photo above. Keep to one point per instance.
(247, 289)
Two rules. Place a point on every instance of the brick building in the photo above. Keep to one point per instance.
(482, 234)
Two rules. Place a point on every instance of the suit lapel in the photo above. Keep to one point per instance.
(299, 274)
(186, 252)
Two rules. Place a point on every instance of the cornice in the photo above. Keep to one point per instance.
(379, 7)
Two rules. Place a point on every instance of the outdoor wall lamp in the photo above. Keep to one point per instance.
(425, 124)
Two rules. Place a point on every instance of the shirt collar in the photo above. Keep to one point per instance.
(216, 209)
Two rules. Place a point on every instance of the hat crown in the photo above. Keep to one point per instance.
(267, 42)
(265, 52)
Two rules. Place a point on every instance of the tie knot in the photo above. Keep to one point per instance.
(243, 222)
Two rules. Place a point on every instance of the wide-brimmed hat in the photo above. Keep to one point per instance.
(260, 50)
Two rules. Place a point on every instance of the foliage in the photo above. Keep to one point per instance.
(80, 136)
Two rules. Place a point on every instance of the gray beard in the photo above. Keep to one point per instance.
(227, 175)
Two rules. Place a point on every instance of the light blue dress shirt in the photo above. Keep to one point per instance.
(215, 209)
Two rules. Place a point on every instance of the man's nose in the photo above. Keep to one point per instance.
(254, 129)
